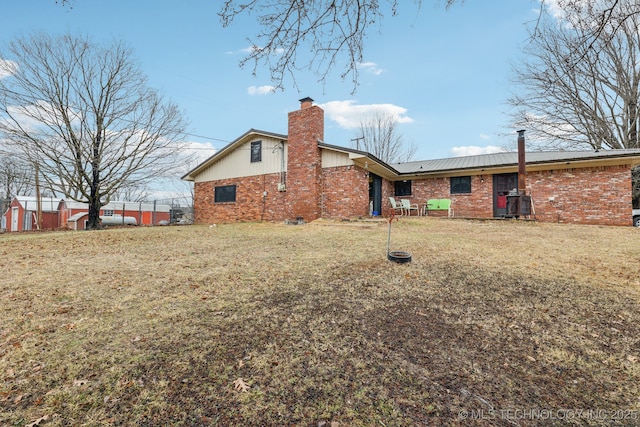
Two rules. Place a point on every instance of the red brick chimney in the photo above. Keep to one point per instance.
(304, 163)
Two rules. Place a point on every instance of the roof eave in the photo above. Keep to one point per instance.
(190, 176)
(568, 163)
(364, 160)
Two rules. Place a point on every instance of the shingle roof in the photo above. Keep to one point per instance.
(507, 159)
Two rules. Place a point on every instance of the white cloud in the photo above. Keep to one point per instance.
(473, 150)
(36, 115)
(348, 114)
(370, 67)
(485, 136)
(244, 51)
(260, 90)
(198, 152)
(554, 9)
(249, 50)
(7, 68)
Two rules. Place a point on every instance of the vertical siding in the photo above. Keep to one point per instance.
(238, 163)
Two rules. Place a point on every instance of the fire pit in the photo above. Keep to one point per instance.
(396, 256)
(399, 256)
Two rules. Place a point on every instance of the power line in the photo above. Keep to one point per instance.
(124, 119)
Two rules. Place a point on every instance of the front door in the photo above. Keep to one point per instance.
(14, 219)
(502, 184)
(375, 193)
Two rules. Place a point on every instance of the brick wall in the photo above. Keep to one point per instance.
(598, 195)
(250, 203)
(304, 162)
(345, 192)
(345, 195)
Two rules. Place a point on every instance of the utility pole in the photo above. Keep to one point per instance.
(38, 199)
(357, 140)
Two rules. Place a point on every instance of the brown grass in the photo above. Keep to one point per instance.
(492, 323)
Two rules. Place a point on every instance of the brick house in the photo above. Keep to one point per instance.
(264, 176)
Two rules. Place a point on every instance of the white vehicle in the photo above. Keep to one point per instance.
(636, 217)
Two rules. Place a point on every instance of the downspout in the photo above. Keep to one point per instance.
(264, 197)
(522, 165)
(282, 165)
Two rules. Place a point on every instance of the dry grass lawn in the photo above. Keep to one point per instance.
(492, 323)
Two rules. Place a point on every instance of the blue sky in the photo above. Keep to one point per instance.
(447, 72)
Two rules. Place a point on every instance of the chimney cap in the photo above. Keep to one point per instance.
(306, 102)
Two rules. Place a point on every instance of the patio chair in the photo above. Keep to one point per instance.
(407, 206)
(395, 205)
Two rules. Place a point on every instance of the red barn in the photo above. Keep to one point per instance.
(56, 213)
(22, 214)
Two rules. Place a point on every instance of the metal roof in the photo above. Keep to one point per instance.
(137, 206)
(446, 165)
(50, 204)
(47, 204)
(510, 158)
(116, 205)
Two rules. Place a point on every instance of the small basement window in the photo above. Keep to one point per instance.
(402, 188)
(256, 151)
(224, 194)
(108, 212)
(460, 184)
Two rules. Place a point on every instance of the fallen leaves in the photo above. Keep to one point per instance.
(64, 309)
(241, 385)
(37, 422)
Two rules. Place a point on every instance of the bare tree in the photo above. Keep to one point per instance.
(334, 31)
(379, 135)
(84, 114)
(572, 98)
(132, 193)
(16, 178)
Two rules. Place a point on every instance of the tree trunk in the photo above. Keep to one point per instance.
(94, 193)
(633, 125)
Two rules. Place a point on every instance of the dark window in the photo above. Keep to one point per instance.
(256, 151)
(460, 184)
(403, 188)
(225, 193)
